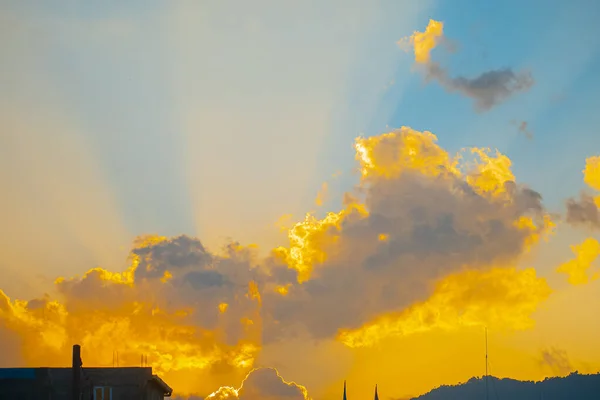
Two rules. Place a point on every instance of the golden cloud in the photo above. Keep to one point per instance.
(578, 269)
(585, 211)
(427, 240)
(419, 215)
(423, 42)
(591, 173)
(322, 194)
(501, 299)
(179, 324)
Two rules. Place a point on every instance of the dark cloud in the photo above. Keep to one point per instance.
(205, 279)
(488, 89)
(523, 128)
(557, 360)
(176, 253)
(583, 212)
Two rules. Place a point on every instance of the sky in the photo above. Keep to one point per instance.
(158, 161)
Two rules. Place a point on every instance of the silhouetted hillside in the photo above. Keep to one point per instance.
(572, 387)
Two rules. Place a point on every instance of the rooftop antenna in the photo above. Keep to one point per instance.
(486, 365)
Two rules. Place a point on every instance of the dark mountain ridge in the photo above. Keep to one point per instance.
(572, 387)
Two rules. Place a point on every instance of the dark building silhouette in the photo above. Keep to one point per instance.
(573, 387)
(345, 396)
(78, 383)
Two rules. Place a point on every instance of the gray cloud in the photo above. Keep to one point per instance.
(197, 279)
(262, 384)
(488, 89)
(265, 383)
(436, 226)
(557, 360)
(205, 279)
(10, 342)
(523, 127)
(176, 253)
(583, 212)
(434, 222)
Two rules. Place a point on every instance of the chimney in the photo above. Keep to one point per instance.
(76, 367)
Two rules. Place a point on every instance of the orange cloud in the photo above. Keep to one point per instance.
(578, 269)
(501, 298)
(390, 154)
(193, 321)
(428, 237)
(423, 42)
(322, 195)
(586, 210)
(591, 172)
(419, 215)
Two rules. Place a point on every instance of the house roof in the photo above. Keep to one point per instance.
(17, 373)
(104, 375)
(167, 391)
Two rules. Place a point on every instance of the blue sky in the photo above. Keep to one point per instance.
(214, 119)
(558, 42)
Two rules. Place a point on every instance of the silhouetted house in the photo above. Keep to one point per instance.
(77, 383)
